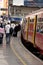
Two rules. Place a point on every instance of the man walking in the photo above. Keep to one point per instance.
(7, 31)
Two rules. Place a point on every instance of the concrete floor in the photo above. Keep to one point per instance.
(17, 54)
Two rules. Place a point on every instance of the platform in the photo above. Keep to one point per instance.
(17, 54)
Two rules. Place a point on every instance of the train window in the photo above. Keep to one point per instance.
(31, 20)
(40, 29)
(25, 20)
(40, 19)
(24, 23)
(39, 25)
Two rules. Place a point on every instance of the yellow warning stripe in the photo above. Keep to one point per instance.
(22, 61)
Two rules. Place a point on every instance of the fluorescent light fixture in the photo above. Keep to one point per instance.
(18, 2)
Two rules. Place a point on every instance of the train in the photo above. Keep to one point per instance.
(32, 30)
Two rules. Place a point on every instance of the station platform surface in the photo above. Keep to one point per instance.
(16, 54)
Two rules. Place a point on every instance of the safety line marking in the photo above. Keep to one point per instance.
(23, 62)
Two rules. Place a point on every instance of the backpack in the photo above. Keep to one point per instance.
(11, 30)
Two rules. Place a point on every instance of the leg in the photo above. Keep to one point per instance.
(7, 38)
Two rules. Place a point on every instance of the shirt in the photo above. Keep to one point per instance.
(13, 25)
(7, 28)
(2, 30)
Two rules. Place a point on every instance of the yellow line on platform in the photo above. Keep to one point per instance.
(22, 61)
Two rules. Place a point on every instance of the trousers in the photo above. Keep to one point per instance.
(7, 38)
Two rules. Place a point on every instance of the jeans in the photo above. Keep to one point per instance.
(7, 38)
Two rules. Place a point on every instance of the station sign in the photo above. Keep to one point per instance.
(33, 3)
(18, 2)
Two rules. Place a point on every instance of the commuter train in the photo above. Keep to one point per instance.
(32, 30)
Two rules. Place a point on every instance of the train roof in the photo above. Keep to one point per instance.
(31, 15)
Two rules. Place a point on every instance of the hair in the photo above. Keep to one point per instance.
(8, 23)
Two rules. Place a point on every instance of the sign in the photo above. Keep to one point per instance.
(18, 2)
(33, 3)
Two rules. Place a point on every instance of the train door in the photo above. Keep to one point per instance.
(23, 28)
(39, 33)
(27, 28)
(31, 29)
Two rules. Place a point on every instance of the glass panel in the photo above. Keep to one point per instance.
(31, 20)
(40, 19)
(39, 27)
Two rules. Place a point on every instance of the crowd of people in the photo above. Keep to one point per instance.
(9, 29)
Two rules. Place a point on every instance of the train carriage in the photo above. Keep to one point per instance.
(32, 30)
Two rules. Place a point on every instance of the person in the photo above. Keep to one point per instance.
(38, 28)
(1, 31)
(7, 31)
(19, 27)
(15, 30)
(41, 30)
(12, 28)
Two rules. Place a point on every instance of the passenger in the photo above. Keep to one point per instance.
(12, 28)
(41, 30)
(38, 29)
(16, 29)
(7, 29)
(1, 31)
(12, 25)
(19, 27)
(5, 21)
